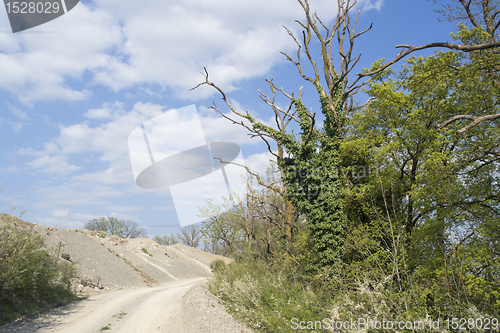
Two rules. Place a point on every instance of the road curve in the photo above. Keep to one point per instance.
(147, 310)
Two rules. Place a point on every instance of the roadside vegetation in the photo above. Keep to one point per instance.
(388, 211)
(32, 277)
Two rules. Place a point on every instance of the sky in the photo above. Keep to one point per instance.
(74, 89)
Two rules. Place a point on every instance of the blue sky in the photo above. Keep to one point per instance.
(73, 89)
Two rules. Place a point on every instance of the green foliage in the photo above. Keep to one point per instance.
(30, 276)
(421, 236)
(146, 252)
(217, 265)
(257, 227)
(113, 226)
(222, 231)
(440, 187)
(266, 298)
(166, 239)
(314, 186)
(311, 174)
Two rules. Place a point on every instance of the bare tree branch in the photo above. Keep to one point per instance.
(475, 121)
(410, 49)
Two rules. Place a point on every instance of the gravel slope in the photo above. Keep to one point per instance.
(202, 312)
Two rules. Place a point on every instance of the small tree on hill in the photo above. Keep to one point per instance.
(113, 226)
(190, 236)
(171, 239)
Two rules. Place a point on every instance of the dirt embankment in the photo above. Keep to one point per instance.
(107, 262)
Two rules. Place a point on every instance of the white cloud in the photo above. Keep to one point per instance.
(126, 217)
(68, 194)
(49, 160)
(110, 138)
(371, 4)
(107, 111)
(36, 66)
(127, 208)
(258, 163)
(218, 128)
(17, 112)
(20, 119)
(50, 148)
(60, 213)
(53, 164)
(109, 141)
(16, 126)
(83, 216)
(119, 172)
(11, 169)
(60, 222)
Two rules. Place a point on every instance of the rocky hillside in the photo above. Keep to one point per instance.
(107, 262)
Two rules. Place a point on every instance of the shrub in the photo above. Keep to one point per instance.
(218, 264)
(30, 276)
(146, 252)
(266, 298)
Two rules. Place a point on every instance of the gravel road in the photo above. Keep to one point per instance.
(181, 307)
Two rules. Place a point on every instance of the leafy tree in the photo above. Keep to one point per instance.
(113, 226)
(256, 226)
(444, 184)
(31, 277)
(481, 16)
(223, 231)
(420, 237)
(310, 162)
(171, 239)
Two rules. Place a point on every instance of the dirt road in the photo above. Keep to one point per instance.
(137, 286)
(147, 310)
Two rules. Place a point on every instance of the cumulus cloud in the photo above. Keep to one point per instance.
(60, 213)
(371, 4)
(53, 164)
(37, 66)
(108, 111)
(108, 140)
(125, 42)
(259, 163)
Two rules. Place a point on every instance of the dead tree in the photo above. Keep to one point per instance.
(314, 147)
